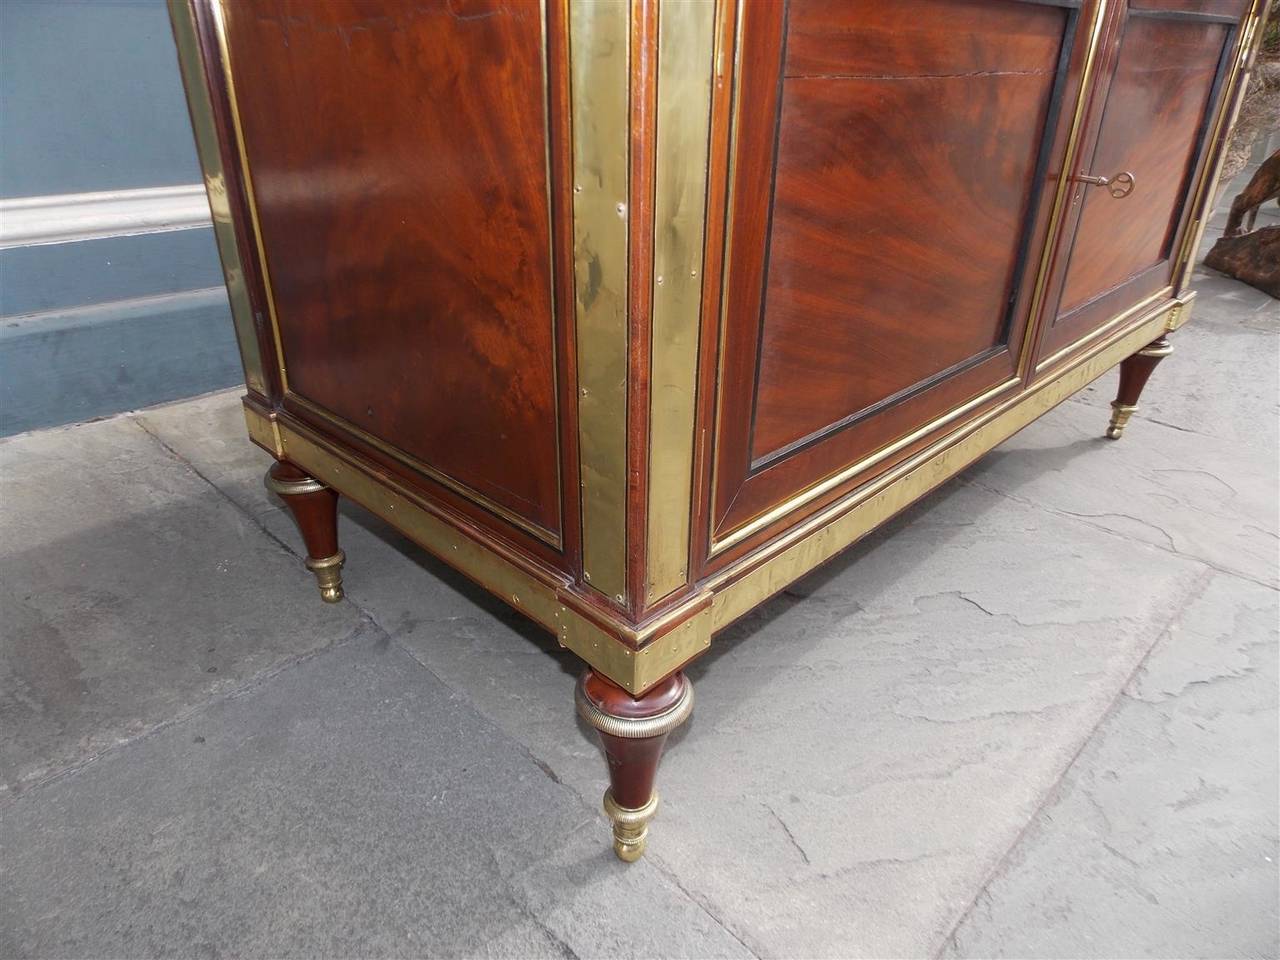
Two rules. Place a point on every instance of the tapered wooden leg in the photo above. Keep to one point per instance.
(633, 730)
(1134, 373)
(315, 509)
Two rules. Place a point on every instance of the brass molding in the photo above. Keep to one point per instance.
(292, 488)
(744, 585)
(630, 826)
(264, 430)
(328, 572)
(1120, 414)
(1143, 306)
(200, 108)
(599, 67)
(1180, 314)
(633, 657)
(640, 656)
(1159, 349)
(635, 728)
(791, 504)
(686, 40)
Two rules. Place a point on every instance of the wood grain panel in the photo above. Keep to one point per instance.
(891, 266)
(883, 189)
(398, 153)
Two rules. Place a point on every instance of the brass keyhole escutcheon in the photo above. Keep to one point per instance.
(1119, 186)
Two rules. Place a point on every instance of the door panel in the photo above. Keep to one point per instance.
(1158, 106)
(882, 212)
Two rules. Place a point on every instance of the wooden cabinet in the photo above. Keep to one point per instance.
(635, 312)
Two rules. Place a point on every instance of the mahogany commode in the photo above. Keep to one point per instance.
(635, 312)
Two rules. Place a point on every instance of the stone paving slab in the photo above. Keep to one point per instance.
(1161, 840)
(350, 806)
(130, 592)
(869, 747)
(859, 758)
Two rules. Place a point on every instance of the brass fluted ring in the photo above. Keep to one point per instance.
(633, 728)
(290, 488)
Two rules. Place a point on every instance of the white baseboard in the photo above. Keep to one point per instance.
(70, 217)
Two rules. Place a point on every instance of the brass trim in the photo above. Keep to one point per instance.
(1036, 323)
(1120, 414)
(1160, 349)
(1163, 294)
(726, 264)
(264, 430)
(292, 488)
(634, 728)
(738, 589)
(633, 659)
(738, 534)
(1181, 312)
(200, 107)
(457, 486)
(1228, 112)
(216, 8)
(599, 64)
(630, 825)
(637, 658)
(328, 574)
(639, 668)
(686, 41)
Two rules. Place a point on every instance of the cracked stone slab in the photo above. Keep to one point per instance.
(1194, 496)
(865, 747)
(1161, 840)
(351, 806)
(131, 591)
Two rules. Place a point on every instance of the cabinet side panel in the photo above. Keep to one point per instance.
(398, 159)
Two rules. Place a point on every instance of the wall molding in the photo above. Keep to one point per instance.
(72, 217)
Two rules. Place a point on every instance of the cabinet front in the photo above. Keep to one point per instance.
(1154, 110)
(883, 227)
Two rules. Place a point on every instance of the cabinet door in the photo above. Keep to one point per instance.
(883, 221)
(1163, 78)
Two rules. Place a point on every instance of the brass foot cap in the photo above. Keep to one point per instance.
(328, 573)
(1120, 414)
(630, 826)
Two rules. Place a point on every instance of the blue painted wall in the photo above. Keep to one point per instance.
(92, 100)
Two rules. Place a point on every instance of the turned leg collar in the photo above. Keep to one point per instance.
(635, 728)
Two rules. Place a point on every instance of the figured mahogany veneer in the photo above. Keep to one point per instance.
(637, 311)
(425, 128)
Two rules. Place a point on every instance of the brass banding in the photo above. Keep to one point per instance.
(328, 573)
(292, 488)
(1161, 348)
(630, 825)
(635, 728)
(630, 816)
